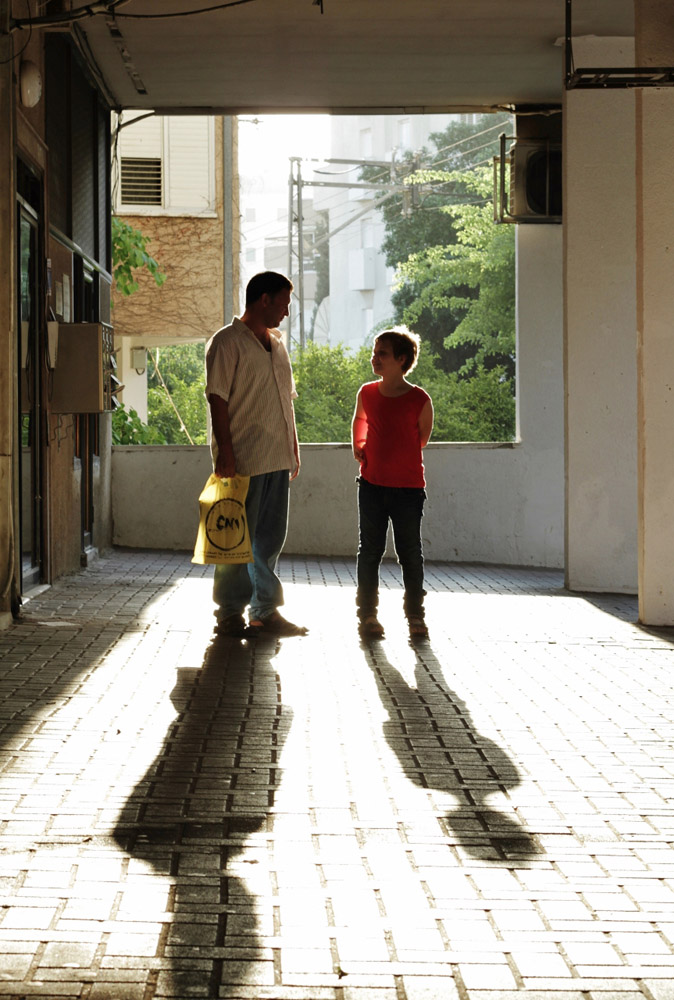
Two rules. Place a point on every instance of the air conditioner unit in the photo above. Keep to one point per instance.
(528, 182)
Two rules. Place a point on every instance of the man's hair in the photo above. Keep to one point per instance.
(266, 283)
(404, 344)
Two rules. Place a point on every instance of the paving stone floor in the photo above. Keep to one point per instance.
(485, 815)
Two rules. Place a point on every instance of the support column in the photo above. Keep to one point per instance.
(8, 401)
(538, 462)
(654, 24)
(600, 328)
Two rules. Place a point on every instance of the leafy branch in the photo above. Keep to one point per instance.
(129, 253)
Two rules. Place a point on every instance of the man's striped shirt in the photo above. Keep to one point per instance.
(258, 387)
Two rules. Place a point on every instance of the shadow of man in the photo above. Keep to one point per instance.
(209, 790)
(431, 732)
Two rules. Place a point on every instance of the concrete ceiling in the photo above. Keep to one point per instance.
(359, 55)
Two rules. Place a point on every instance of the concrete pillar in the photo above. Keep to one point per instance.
(654, 24)
(539, 465)
(600, 328)
(8, 401)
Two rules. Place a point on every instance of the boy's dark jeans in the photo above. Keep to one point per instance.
(404, 507)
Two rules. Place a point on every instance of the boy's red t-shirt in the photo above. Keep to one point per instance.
(393, 447)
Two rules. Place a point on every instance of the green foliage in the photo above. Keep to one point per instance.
(481, 408)
(327, 380)
(474, 278)
(182, 370)
(418, 220)
(128, 428)
(129, 253)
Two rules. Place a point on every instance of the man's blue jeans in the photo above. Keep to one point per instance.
(256, 584)
(404, 507)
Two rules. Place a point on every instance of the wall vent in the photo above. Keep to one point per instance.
(141, 180)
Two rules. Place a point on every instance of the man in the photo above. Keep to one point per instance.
(250, 389)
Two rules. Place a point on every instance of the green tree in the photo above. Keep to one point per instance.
(416, 220)
(327, 380)
(176, 382)
(481, 408)
(129, 254)
(128, 428)
(474, 277)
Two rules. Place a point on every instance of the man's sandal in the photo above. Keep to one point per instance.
(372, 627)
(275, 624)
(418, 628)
(234, 627)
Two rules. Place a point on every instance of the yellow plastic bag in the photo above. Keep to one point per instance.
(223, 535)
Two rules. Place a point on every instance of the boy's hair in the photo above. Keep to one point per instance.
(404, 344)
(266, 283)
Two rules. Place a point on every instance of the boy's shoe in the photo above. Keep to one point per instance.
(275, 624)
(233, 626)
(371, 626)
(417, 626)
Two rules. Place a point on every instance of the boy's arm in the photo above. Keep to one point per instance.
(358, 429)
(426, 423)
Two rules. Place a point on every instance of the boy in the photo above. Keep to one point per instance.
(392, 423)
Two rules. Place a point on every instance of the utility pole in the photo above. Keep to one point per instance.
(296, 216)
(300, 253)
(291, 182)
(229, 177)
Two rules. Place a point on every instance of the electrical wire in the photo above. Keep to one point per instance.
(339, 212)
(467, 152)
(336, 173)
(467, 138)
(90, 10)
(110, 9)
(186, 13)
(251, 234)
(15, 55)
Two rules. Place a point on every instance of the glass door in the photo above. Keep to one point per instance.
(29, 398)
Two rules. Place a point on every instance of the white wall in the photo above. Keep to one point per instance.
(600, 327)
(477, 510)
(155, 494)
(655, 146)
(135, 385)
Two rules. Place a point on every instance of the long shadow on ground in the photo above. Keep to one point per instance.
(431, 732)
(210, 788)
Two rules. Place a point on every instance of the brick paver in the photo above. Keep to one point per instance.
(485, 815)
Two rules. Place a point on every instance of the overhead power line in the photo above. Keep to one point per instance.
(110, 8)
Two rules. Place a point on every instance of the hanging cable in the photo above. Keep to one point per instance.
(110, 7)
(80, 13)
(15, 55)
(170, 397)
(186, 13)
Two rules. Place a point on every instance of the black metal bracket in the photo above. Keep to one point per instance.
(610, 77)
